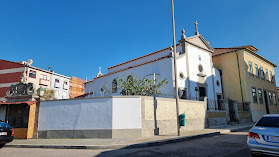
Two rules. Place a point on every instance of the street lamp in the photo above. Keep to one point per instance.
(40, 92)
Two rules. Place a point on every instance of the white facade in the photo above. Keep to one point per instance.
(197, 77)
(94, 114)
(60, 84)
(161, 68)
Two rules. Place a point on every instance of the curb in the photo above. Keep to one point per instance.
(244, 128)
(125, 146)
(66, 146)
(172, 140)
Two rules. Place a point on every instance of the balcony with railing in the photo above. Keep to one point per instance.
(56, 84)
(43, 82)
(65, 86)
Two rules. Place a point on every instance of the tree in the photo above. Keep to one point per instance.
(49, 94)
(135, 86)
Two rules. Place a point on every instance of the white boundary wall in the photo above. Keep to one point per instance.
(117, 117)
(80, 114)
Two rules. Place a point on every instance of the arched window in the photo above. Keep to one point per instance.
(130, 78)
(114, 86)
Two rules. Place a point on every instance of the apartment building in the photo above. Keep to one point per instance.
(76, 87)
(11, 73)
(248, 78)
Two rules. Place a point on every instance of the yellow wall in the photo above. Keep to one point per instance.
(31, 121)
(231, 83)
(230, 77)
(258, 82)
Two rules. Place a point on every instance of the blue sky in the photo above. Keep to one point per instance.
(76, 37)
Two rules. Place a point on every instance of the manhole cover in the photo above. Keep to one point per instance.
(228, 144)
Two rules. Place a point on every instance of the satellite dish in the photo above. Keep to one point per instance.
(30, 61)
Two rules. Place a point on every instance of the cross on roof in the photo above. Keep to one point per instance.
(99, 73)
(196, 25)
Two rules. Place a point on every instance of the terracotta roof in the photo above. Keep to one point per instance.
(129, 68)
(140, 57)
(23, 102)
(219, 51)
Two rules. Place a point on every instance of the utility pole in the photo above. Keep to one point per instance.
(175, 71)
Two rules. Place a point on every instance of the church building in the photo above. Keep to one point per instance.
(196, 74)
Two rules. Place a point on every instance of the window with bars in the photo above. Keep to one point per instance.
(250, 67)
(271, 77)
(270, 98)
(184, 93)
(256, 70)
(43, 77)
(262, 73)
(260, 96)
(130, 78)
(274, 99)
(32, 74)
(266, 74)
(114, 86)
(254, 95)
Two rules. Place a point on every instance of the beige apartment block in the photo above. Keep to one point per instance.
(39, 77)
(248, 78)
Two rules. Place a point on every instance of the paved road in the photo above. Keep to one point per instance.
(229, 144)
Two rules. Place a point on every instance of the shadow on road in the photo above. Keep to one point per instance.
(229, 144)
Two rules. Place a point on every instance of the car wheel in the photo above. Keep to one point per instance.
(2, 145)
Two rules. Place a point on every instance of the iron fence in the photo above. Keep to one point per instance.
(243, 106)
(217, 105)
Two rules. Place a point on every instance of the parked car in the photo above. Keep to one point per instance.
(6, 134)
(263, 137)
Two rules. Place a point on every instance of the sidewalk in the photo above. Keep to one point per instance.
(124, 142)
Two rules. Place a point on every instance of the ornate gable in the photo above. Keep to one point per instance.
(199, 41)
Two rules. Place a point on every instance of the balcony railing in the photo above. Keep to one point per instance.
(43, 82)
(65, 86)
(56, 85)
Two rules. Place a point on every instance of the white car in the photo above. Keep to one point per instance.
(263, 137)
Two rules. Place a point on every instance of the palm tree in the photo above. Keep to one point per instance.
(49, 94)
